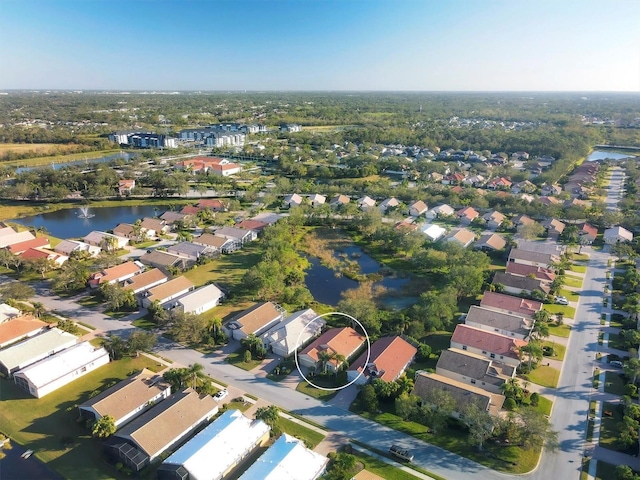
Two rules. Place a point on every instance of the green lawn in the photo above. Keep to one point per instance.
(511, 459)
(145, 323)
(438, 341)
(545, 376)
(580, 257)
(614, 342)
(557, 348)
(571, 281)
(237, 358)
(381, 468)
(544, 405)
(308, 389)
(569, 312)
(570, 294)
(284, 368)
(614, 383)
(609, 426)
(311, 437)
(578, 268)
(43, 424)
(226, 270)
(560, 330)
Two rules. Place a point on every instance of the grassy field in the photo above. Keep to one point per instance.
(560, 330)
(614, 383)
(578, 268)
(545, 376)
(47, 160)
(572, 281)
(39, 149)
(569, 312)
(226, 270)
(48, 425)
(311, 437)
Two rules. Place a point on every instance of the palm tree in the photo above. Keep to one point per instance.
(534, 350)
(540, 330)
(38, 309)
(251, 342)
(196, 374)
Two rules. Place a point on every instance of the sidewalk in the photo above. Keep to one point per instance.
(387, 460)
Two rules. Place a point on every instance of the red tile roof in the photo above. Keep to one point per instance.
(190, 210)
(587, 229)
(33, 243)
(343, 341)
(509, 303)
(487, 341)
(252, 225)
(526, 270)
(212, 204)
(389, 356)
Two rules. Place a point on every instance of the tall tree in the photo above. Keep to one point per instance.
(479, 423)
(268, 415)
(141, 341)
(104, 427)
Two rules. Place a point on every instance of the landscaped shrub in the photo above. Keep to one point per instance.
(509, 404)
(534, 399)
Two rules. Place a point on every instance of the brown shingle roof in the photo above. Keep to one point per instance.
(474, 366)
(389, 356)
(210, 240)
(147, 278)
(152, 224)
(487, 341)
(256, 317)
(128, 395)
(501, 320)
(520, 283)
(168, 420)
(167, 289)
(19, 327)
(343, 341)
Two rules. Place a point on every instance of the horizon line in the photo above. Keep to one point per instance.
(155, 90)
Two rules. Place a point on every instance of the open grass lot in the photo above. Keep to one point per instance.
(569, 312)
(560, 330)
(43, 424)
(573, 281)
(511, 459)
(614, 383)
(608, 427)
(559, 350)
(545, 376)
(47, 160)
(226, 270)
(311, 437)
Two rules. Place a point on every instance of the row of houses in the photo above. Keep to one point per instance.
(42, 359)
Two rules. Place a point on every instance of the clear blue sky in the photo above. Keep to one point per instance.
(480, 45)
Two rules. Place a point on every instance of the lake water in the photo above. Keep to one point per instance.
(56, 166)
(602, 154)
(66, 224)
(327, 288)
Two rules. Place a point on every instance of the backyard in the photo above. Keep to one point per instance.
(48, 425)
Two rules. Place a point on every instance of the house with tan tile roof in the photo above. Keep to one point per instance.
(461, 236)
(338, 341)
(339, 200)
(616, 235)
(127, 399)
(167, 291)
(418, 208)
(492, 345)
(97, 238)
(154, 226)
(125, 186)
(145, 281)
(588, 232)
(216, 243)
(490, 242)
(522, 220)
(499, 322)
(494, 219)
(510, 304)
(292, 200)
(164, 260)
(160, 428)
(255, 320)
(366, 202)
(462, 393)
(554, 227)
(118, 273)
(473, 369)
(388, 360)
(18, 328)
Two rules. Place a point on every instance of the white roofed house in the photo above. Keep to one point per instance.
(433, 232)
(199, 300)
(66, 247)
(616, 235)
(58, 370)
(192, 251)
(287, 459)
(99, 239)
(217, 243)
(238, 235)
(462, 237)
(317, 199)
(293, 332)
(366, 202)
(34, 349)
(7, 312)
(8, 236)
(218, 449)
(293, 200)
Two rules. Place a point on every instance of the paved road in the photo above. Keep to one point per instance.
(615, 190)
